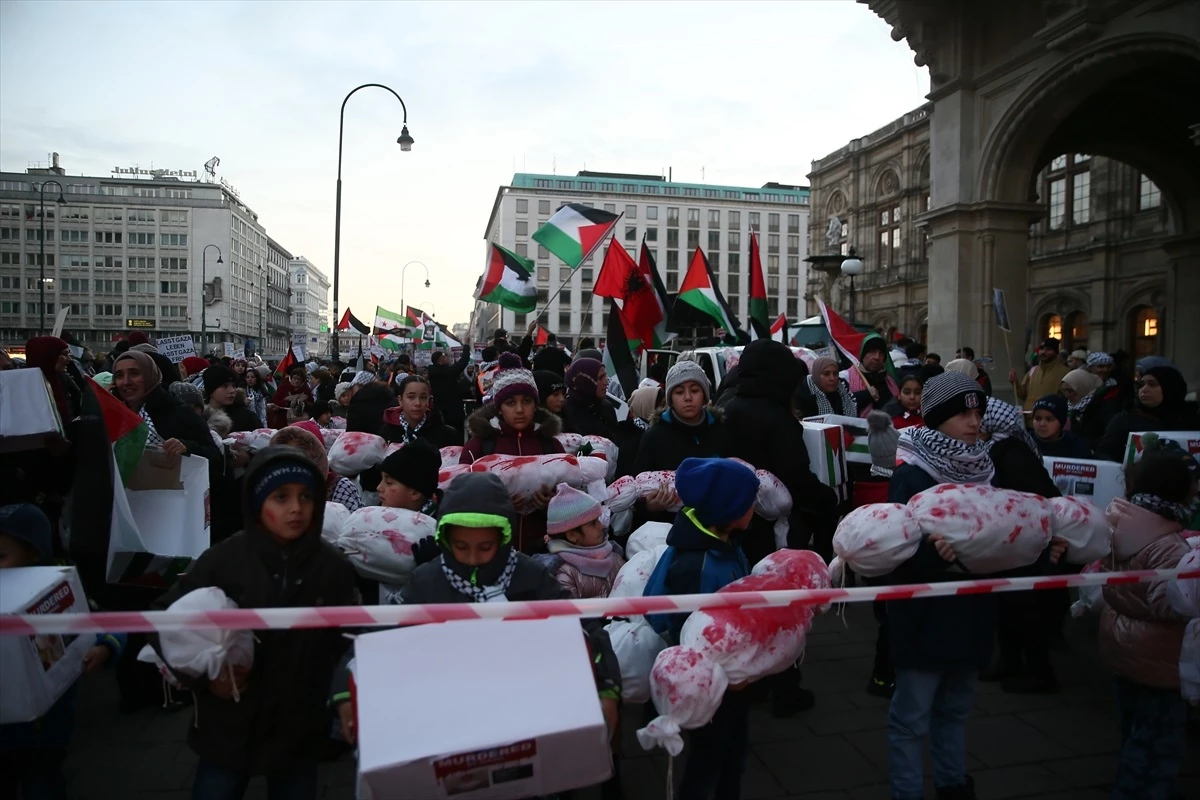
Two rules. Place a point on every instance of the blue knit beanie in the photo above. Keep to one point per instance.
(720, 490)
(1056, 404)
(281, 472)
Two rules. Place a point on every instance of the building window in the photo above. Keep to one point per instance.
(772, 223)
(1077, 332)
(543, 274)
(714, 240)
(693, 217)
(735, 220)
(543, 183)
(672, 259)
(755, 218)
(1052, 329)
(735, 241)
(733, 283)
(522, 206)
(693, 240)
(672, 217)
(631, 233)
(1145, 332)
(544, 207)
(793, 245)
(564, 274)
(714, 218)
(631, 212)
(773, 243)
(772, 265)
(714, 261)
(889, 237)
(733, 262)
(1149, 195)
(793, 223)
(651, 212)
(652, 234)
(1068, 190)
(522, 228)
(672, 281)
(543, 253)
(522, 249)
(672, 237)
(793, 264)
(610, 208)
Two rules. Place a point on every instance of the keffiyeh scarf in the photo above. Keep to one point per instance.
(410, 433)
(849, 406)
(947, 459)
(1003, 420)
(153, 439)
(480, 594)
(1176, 512)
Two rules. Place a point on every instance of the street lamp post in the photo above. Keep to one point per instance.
(42, 277)
(406, 142)
(852, 266)
(404, 308)
(204, 293)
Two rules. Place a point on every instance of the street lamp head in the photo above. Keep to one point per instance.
(405, 141)
(220, 260)
(853, 265)
(427, 283)
(62, 201)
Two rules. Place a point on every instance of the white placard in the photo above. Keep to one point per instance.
(176, 348)
(230, 350)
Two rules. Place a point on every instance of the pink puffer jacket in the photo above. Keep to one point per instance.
(587, 587)
(1140, 635)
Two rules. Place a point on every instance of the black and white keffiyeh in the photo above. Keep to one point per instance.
(849, 406)
(480, 594)
(410, 431)
(153, 439)
(947, 459)
(1176, 512)
(1003, 420)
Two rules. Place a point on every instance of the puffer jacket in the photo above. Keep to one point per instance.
(1140, 634)
(281, 718)
(587, 587)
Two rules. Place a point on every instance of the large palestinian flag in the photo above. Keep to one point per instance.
(758, 291)
(703, 297)
(574, 232)
(507, 280)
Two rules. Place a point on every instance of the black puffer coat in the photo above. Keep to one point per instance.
(282, 716)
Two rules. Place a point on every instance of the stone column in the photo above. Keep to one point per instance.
(1182, 323)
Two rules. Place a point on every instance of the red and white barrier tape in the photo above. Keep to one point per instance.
(389, 616)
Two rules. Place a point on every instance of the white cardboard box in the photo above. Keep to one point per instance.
(478, 709)
(1189, 441)
(37, 670)
(27, 410)
(1096, 481)
(827, 454)
(857, 451)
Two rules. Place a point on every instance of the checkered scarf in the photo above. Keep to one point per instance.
(474, 591)
(1176, 512)
(153, 439)
(849, 405)
(947, 459)
(1003, 420)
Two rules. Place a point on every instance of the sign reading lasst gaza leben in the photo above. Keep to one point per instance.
(176, 348)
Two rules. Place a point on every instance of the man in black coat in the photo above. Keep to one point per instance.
(445, 384)
(552, 358)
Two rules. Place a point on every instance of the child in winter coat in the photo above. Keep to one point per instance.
(472, 560)
(513, 425)
(703, 555)
(279, 719)
(584, 560)
(1140, 634)
(408, 479)
(32, 753)
(938, 645)
(1049, 430)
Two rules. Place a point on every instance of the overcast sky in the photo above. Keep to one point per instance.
(747, 92)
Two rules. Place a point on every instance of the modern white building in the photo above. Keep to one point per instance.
(279, 304)
(310, 306)
(674, 218)
(132, 251)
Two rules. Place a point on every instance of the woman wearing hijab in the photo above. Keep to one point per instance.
(824, 391)
(589, 412)
(1161, 406)
(51, 355)
(1080, 387)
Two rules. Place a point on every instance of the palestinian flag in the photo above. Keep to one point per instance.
(508, 280)
(650, 272)
(127, 431)
(574, 232)
(351, 322)
(618, 355)
(287, 362)
(389, 322)
(441, 336)
(759, 325)
(842, 334)
(699, 302)
(779, 329)
(393, 342)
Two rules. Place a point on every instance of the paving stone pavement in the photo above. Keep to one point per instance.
(1055, 747)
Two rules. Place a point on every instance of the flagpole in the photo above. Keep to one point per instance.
(586, 256)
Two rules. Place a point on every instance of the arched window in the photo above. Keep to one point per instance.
(1052, 327)
(1144, 333)
(1076, 332)
(1068, 191)
(889, 212)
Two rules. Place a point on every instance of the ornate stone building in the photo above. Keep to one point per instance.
(1014, 87)
(1096, 271)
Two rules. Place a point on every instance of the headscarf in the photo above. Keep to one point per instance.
(1003, 420)
(583, 377)
(963, 366)
(43, 352)
(1174, 391)
(1082, 381)
(1148, 363)
(768, 369)
(146, 366)
(825, 400)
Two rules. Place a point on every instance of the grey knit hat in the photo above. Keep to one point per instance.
(187, 393)
(882, 440)
(685, 371)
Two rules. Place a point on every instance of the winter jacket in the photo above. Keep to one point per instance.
(1116, 436)
(367, 407)
(1020, 469)
(54, 728)
(552, 359)
(242, 417)
(1040, 381)
(763, 432)
(901, 418)
(939, 632)
(446, 387)
(599, 418)
(281, 718)
(435, 432)
(1106, 403)
(578, 584)
(491, 436)
(1066, 446)
(282, 399)
(1140, 634)
(806, 402)
(668, 443)
(696, 561)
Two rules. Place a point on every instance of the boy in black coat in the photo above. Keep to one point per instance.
(271, 719)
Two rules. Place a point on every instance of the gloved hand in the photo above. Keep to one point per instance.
(426, 550)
